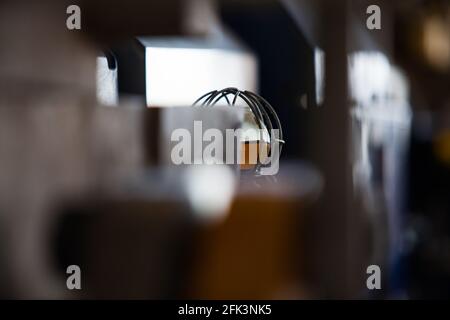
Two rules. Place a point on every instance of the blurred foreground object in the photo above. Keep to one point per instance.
(56, 142)
(259, 251)
(149, 241)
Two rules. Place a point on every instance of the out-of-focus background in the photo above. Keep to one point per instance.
(86, 179)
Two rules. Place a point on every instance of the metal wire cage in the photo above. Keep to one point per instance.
(264, 114)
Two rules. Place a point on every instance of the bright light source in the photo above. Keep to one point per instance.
(178, 76)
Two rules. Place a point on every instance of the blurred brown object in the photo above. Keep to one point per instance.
(422, 48)
(248, 161)
(253, 254)
(258, 251)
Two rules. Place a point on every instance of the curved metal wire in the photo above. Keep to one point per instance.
(262, 111)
